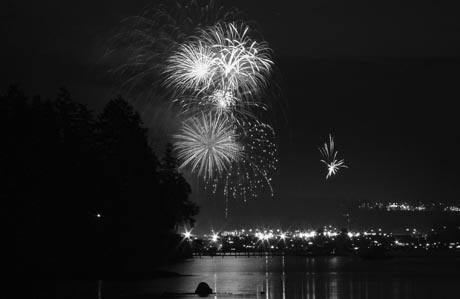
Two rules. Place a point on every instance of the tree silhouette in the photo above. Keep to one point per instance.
(87, 193)
(176, 190)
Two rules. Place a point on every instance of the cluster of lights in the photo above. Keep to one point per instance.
(254, 240)
(278, 234)
(264, 236)
(452, 209)
(310, 234)
(408, 207)
(326, 231)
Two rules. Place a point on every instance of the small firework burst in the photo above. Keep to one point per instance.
(330, 158)
(208, 144)
(223, 99)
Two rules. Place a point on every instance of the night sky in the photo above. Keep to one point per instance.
(382, 77)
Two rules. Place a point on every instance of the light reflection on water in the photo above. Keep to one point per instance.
(312, 278)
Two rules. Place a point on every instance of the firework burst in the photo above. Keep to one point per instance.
(330, 158)
(207, 143)
(143, 43)
(244, 64)
(223, 99)
(251, 175)
(221, 57)
(191, 68)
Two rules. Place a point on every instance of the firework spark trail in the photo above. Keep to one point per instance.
(220, 102)
(207, 143)
(330, 158)
(251, 175)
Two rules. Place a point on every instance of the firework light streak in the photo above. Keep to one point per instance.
(208, 144)
(251, 175)
(330, 158)
(220, 102)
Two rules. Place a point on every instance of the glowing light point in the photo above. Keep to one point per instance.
(187, 234)
(214, 237)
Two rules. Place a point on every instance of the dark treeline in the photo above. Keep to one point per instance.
(87, 193)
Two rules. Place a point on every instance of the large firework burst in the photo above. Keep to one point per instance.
(222, 57)
(243, 63)
(330, 158)
(208, 144)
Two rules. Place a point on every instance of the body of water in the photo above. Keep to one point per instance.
(304, 277)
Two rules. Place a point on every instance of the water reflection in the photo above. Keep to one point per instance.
(283, 277)
(215, 285)
(266, 278)
(312, 278)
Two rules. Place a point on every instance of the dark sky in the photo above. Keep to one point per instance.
(382, 76)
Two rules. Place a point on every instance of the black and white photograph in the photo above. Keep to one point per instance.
(231, 148)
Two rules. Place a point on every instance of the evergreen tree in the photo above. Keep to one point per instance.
(176, 191)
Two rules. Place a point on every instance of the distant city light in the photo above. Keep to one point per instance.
(264, 236)
(312, 242)
(214, 237)
(187, 234)
(409, 207)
